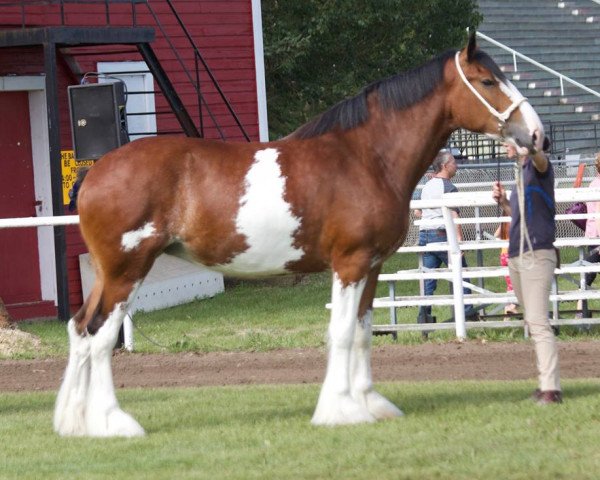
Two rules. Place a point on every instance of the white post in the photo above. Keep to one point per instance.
(128, 332)
(455, 258)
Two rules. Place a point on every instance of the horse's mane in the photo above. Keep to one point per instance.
(397, 92)
(487, 61)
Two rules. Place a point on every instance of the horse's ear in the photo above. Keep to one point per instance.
(472, 45)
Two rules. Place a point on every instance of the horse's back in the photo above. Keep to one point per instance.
(159, 171)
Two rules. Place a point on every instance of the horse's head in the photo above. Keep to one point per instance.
(485, 101)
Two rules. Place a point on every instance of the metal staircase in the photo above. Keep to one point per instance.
(106, 35)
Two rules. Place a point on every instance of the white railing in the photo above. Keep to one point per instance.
(39, 221)
(456, 274)
(562, 78)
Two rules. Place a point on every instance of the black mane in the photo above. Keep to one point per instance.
(397, 92)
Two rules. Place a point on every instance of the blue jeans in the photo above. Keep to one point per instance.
(435, 260)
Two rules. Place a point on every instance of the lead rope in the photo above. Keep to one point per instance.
(524, 231)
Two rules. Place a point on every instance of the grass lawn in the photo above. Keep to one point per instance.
(458, 430)
(454, 430)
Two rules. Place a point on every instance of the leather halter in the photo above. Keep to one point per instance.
(502, 117)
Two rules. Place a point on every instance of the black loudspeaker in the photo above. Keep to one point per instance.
(98, 118)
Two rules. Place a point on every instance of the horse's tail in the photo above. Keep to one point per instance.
(81, 173)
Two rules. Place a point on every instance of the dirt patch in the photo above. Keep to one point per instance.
(13, 341)
(430, 361)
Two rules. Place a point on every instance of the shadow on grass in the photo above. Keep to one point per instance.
(417, 403)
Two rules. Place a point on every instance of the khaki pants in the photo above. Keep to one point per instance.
(532, 280)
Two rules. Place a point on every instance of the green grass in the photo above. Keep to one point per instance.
(284, 313)
(458, 430)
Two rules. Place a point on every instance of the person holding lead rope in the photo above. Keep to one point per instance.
(532, 259)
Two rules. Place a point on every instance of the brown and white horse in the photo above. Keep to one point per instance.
(334, 194)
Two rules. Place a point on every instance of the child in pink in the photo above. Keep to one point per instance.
(502, 234)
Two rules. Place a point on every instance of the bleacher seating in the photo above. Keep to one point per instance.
(564, 36)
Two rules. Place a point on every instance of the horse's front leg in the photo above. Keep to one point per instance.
(336, 405)
(361, 382)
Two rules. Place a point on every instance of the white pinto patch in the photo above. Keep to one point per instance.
(131, 240)
(266, 220)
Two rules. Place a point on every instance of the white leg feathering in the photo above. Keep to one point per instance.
(86, 403)
(336, 406)
(361, 380)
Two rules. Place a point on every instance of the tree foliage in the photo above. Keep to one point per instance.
(318, 52)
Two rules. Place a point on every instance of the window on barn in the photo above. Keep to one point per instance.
(141, 118)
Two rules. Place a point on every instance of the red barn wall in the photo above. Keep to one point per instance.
(221, 29)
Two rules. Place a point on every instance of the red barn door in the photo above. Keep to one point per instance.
(19, 262)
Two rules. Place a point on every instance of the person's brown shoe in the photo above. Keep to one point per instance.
(546, 397)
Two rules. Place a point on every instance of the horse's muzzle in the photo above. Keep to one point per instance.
(547, 144)
(539, 141)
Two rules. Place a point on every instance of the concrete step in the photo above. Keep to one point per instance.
(589, 78)
(171, 281)
(520, 39)
(587, 58)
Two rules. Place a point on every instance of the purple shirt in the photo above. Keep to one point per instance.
(539, 210)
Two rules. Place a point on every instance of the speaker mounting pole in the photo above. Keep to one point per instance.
(60, 243)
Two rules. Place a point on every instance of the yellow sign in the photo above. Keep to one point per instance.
(69, 171)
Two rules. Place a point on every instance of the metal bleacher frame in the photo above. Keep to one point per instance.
(457, 275)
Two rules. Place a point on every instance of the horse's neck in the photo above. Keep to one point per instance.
(407, 141)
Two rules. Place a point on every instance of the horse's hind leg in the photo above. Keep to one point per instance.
(86, 403)
(103, 416)
(70, 407)
(361, 382)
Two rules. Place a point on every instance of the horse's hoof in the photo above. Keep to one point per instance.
(69, 426)
(116, 423)
(341, 410)
(380, 407)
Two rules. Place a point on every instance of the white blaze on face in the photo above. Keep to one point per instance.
(131, 240)
(265, 219)
(533, 122)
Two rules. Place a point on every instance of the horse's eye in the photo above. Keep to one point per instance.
(487, 82)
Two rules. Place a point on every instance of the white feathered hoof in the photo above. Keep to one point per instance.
(69, 423)
(71, 402)
(340, 409)
(113, 423)
(380, 407)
